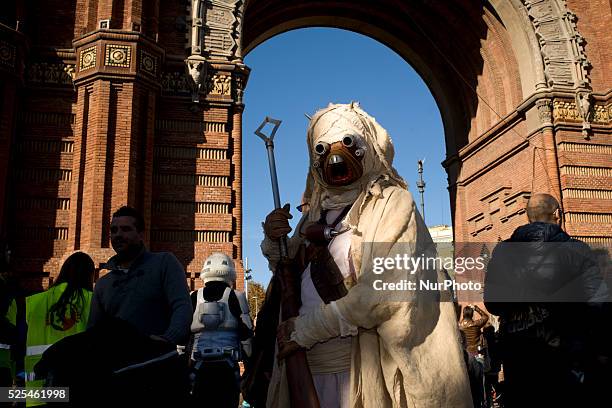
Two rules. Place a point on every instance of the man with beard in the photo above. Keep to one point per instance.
(365, 347)
(148, 290)
(547, 290)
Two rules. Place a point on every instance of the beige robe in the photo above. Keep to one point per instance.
(407, 353)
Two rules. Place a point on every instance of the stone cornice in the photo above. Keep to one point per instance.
(104, 34)
(120, 55)
(517, 115)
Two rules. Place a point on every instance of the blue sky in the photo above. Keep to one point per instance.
(302, 71)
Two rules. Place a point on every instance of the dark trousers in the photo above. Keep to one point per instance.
(476, 376)
(165, 383)
(538, 375)
(216, 385)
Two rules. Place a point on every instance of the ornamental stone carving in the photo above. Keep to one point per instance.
(220, 85)
(8, 55)
(222, 28)
(197, 18)
(49, 73)
(583, 103)
(545, 113)
(561, 45)
(565, 111)
(148, 63)
(118, 55)
(602, 114)
(196, 72)
(87, 58)
(215, 28)
(175, 84)
(70, 70)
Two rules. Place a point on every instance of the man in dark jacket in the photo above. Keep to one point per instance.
(547, 290)
(148, 291)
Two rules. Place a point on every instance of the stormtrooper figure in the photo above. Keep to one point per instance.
(222, 331)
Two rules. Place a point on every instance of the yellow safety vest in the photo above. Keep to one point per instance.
(41, 334)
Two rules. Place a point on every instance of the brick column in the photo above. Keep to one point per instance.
(549, 145)
(117, 86)
(237, 188)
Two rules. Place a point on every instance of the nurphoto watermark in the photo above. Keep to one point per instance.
(499, 272)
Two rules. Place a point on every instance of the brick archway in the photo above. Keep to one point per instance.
(99, 109)
(509, 76)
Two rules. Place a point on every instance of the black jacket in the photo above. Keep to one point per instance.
(540, 263)
(543, 279)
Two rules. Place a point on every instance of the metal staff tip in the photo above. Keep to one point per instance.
(275, 122)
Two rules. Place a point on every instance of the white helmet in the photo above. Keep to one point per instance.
(218, 267)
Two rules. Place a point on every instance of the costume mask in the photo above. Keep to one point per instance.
(340, 163)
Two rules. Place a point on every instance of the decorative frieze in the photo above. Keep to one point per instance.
(184, 207)
(585, 148)
(191, 126)
(49, 73)
(175, 84)
(191, 179)
(220, 85)
(590, 218)
(171, 152)
(607, 241)
(182, 84)
(587, 194)
(567, 111)
(602, 114)
(586, 171)
(190, 236)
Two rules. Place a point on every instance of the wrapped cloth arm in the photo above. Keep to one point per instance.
(398, 229)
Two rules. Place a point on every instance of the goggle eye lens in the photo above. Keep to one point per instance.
(320, 148)
(347, 141)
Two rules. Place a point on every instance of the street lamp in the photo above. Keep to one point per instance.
(421, 186)
(247, 277)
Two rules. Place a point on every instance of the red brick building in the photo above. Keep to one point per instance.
(105, 103)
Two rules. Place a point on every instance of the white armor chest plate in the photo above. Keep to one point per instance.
(213, 316)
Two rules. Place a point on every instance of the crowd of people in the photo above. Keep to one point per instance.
(138, 337)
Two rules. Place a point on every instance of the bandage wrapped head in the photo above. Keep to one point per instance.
(218, 267)
(349, 151)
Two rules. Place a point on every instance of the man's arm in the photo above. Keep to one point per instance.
(96, 310)
(177, 296)
(484, 317)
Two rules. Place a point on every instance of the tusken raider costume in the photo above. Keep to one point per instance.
(364, 347)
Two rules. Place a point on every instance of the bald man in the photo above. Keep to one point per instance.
(547, 290)
(543, 208)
